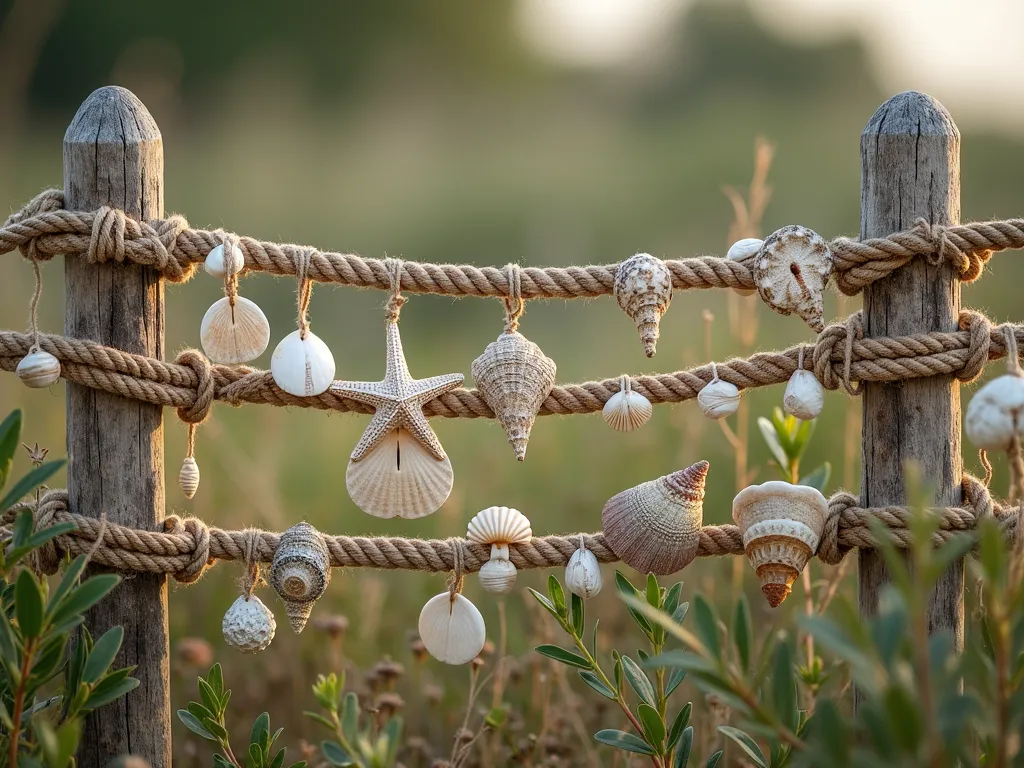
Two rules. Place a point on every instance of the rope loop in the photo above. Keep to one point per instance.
(458, 575)
(395, 300)
(199, 556)
(834, 344)
(968, 262)
(304, 290)
(206, 387)
(830, 551)
(47, 201)
(514, 304)
(980, 330)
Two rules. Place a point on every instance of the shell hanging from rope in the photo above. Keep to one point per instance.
(995, 415)
(791, 272)
(38, 369)
(499, 527)
(303, 367)
(300, 572)
(188, 477)
(627, 410)
(452, 629)
(234, 334)
(643, 288)
(248, 625)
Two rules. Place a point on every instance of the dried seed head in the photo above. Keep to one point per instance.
(195, 652)
(388, 703)
(388, 670)
(418, 649)
(335, 625)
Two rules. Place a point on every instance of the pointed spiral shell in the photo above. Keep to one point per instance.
(643, 289)
(300, 571)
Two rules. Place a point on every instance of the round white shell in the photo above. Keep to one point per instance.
(38, 369)
(302, 366)
(791, 272)
(583, 574)
(217, 266)
(626, 411)
(499, 525)
(452, 631)
(804, 397)
(996, 413)
(718, 399)
(188, 477)
(744, 249)
(248, 625)
(234, 335)
(497, 576)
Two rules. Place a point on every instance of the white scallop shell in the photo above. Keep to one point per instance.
(188, 477)
(38, 369)
(497, 576)
(302, 366)
(996, 414)
(804, 397)
(399, 478)
(217, 266)
(627, 410)
(583, 574)
(791, 273)
(499, 525)
(248, 625)
(718, 399)
(234, 334)
(453, 631)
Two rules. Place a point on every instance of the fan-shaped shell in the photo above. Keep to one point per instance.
(791, 272)
(741, 250)
(220, 267)
(718, 399)
(497, 576)
(399, 478)
(38, 369)
(248, 625)
(804, 397)
(655, 527)
(234, 334)
(583, 574)
(995, 414)
(303, 367)
(643, 288)
(300, 572)
(499, 525)
(515, 377)
(188, 477)
(627, 410)
(452, 630)
(781, 526)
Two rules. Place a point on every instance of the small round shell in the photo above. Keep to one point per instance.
(995, 414)
(38, 369)
(220, 267)
(248, 625)
(627, 410)
(452, 630)
(303, 367)
(497, 576)
(643, 288)
(583, 574)
(188, 477)
(499, 525)
(718, 399)
(804, 397)
(235, 334)
(744, 249)
(791, 272)
(300, 572)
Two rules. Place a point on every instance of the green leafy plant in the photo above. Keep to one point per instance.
(787, 437)
(372, 744)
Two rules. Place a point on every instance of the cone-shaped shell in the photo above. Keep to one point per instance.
(627, 410)
(497, 576)
(220, 264)
(399, 478)
(188, 477)
(300, 572)
(303, 367)
(791, 272)
(38, 369)
(515, 377)
(655, 527)
(995, 414)
(499, 525)
(234, 334)
(583, 574)
(781, 525)
(248, 625)
(643, 288)
(452, 630)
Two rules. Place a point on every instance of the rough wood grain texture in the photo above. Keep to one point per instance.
(113, 155)
(910, 168)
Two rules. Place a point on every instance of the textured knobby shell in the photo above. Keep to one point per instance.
(781, 526)
(499, 525)
(626, 411)
(791, 273)
(452, 630)
(300, 571)
(995, 414)
(303, 367)
(804, 397)
(655, 527)
(399, 478)
(38, 369)
(234, 334)
(188, 477)
(220, 267)
(744, 249)
(497, 576)
(248, 625)
(583, 574)
(514, 376)
(643, 288)
(718, 399)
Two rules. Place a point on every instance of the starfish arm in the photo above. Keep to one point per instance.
(383, 421)
(369, 392)
(424, 390)
(396, 369)
(412, 419)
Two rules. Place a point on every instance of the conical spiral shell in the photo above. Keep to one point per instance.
(781, 526)
(515, 377)
(300, 572)
(627, 410)
(791, 272)
(38, 369)
(248, 625)
(234, 334)
(188, 477)
(655, 527)
(643, 288)
(499, 525)
(452, 630)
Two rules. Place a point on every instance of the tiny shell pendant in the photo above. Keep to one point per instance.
(781, 526)
(499, 527)
(643, 288)
(655, 527)
(300, 572)
(303, 367)
(220, 267)
(515, 377)
(995, 414)
(188, 477)
(234, 334)
(248, 625)
(497, 576)
(804, 397)
(627, 410)
(741, 250)
(38, 369)
(791, 273)
(583, 574)
(452, 630)
(718, 399)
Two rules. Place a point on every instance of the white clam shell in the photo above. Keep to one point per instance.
(626, 411)
(399, 478)
(497, 576)
(499, 525)
(248, 625)
(220, 267)
(995, 414)
(188, 477)
(583, 574)
(744, 249)
(234, 334)
(303, 367)
(452, 631)
(804, 397)
(791, 272)
(718, 399)
(643, 289)
(38, 369)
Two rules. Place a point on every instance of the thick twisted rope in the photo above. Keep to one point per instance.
(42, 229)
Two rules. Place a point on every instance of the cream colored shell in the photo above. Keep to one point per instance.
(236, 334)
(188, 477)
(718, 399)
(655, 527)
(804, 396)
(995, 414)
(781, 525)
(497, 576)
(627, 410)
(499, 525)
(217, 266)
(452, 630)
(38, 369)
(303, 367)
(248, 625)
(643, 289)
(791, 273)
(741, 250)
(583, 574)
(300, 572)
(399, 478)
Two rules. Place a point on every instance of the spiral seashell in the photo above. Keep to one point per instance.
(627, 410)
(188, 477)
(303, 367)
(643, 288)
(234, 334)
(300, 572)
(995, 414)
(38, 369)
(718, 399)
(791, 273)
(583, 574)
(741, 250)
(655, 527)
(218, 266)
(248, 625)
(514, 376)
(452, 629)
(781, 526)
(804, 397)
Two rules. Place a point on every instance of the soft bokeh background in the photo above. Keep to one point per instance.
(545, 132)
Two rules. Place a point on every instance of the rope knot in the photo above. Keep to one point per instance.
(200, 554)
(830, 551)
(980, 330)
(106, 242)
(47, 201)
(968, 263)
(833, 354)
(164, 239)
(206, 387)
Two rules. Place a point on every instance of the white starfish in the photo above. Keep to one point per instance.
(398, 400)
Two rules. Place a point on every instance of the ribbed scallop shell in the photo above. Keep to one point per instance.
(643, 288)
(234, 335)
(583, 574)
(399, 478)
(217, 266)
(655, 527)
(627, 410)
(995, 414)
(515, 377)
(188, 477)
(303, 367)
(452, 631)
(248, 625)
(497, 576)
(499, 525)
(791, 273)
(38, 369)
(300, 572)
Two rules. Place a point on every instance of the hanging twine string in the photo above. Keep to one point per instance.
(33, 305)
(514, 304)
(252, 579)
(190, 446)
(230, 243)
(395, 301)
(624, 385)
(714, 370)
(304, 291)
(458, 575)
(1014, 453)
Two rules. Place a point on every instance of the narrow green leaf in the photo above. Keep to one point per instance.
(672, 597)
(747, 744)
(350, 717)
(653, 725)
(556, 595)
(784, 699)
(216, 680)
(256, 757)
(36, 477)
(278, 760)
(10, 434)
(563, 656)
(682, 719)
(714, 760)
(201, 713)
(334, 754)
(707, 626)
(674, 680)
(100, 698)
(653, 591)
(210, 699)
(28, 603)
(496, 717)
(741, 625)
(628, 591)
(260, 726)
(39, 538)
(578, 615)
(624, 741)
(320, 719)
(819, 477)
(685, 746)
(67, 581)
(595, 682)
(624, 586)
(102, 655)
(638, 681)
(548, 605)
(84, 597)
(219, 761)
(194, 725)
(771, 439)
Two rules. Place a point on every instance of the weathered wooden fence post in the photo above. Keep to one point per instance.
(113, 155)
(910, 168)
